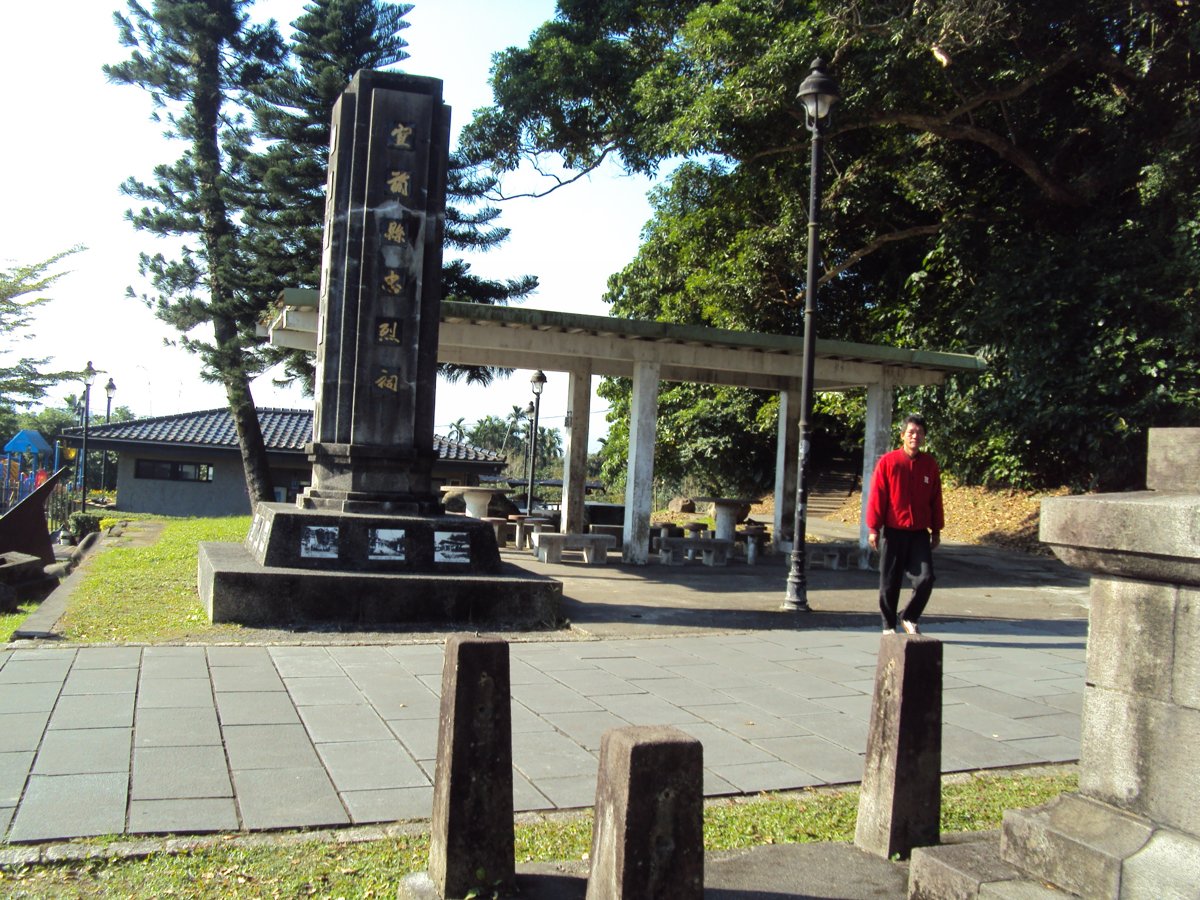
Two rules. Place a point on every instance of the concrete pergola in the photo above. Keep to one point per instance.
(650, 353)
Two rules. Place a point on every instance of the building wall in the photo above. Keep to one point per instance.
(225, 495)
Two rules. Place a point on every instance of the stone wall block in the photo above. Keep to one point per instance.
(1168, 866)
(471, 830)
(648, 836)
(1129, 646)
(899, 806)
(1185, 673)
(1173, 459)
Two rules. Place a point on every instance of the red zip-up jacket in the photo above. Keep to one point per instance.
(906, 493)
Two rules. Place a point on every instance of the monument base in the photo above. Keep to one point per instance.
(234, 587)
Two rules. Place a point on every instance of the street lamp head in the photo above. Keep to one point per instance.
(818, 92)
(110, 388)
(89, 374)
(529, 409)
(537, 381)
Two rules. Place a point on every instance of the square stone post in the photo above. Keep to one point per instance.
(900, 805)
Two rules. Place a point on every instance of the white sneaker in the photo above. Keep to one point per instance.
(910, 627)
(889, 631)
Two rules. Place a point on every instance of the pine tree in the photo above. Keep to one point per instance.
(201, 61)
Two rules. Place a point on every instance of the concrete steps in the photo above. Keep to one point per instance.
(970, 866)
(830, 491)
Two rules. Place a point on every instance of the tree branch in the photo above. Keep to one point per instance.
(878, 243)
(559, 182)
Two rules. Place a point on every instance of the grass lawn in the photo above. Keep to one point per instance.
(147, 594)
(299, 868)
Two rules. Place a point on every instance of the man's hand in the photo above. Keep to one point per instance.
(873, 540)
(935, 540)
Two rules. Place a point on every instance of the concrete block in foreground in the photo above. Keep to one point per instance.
(648, 835)
(901, 800)
(471, 831)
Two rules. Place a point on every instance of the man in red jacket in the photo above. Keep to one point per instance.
(905, 508)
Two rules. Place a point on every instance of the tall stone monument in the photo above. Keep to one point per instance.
(369, 541)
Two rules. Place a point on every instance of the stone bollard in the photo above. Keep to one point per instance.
(648, 836)
(900, 805)
(471, 831)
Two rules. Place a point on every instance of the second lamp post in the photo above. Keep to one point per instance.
(818, 92)
(536, 382)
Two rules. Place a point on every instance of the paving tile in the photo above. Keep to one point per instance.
(101, 681)
(548, 698)
(857, 705)
(107, 658)
(520, 672)
(827, 761)
(371, 765)
(239, 657)
(6, 816)
(1063, 724)
(964, 749)
(14, 770)
(420, 659)
(178, 773)
(849, 732)
(748, 722)
(722, 748)
(33, 671)
(337, 691)
(269, 747)
(334, 724)
(67, 806)
(684, 692)
(22, 731)
(830, 671)
(419, 736)
(300, 797)
(645, 709)
(192, 816)
(652, 666)
(163, 692)
(568, 792)
(594, 682)
(401, 701)
(93, 711)
(716, 786)
(1055, 748)
(549, 754)
(585, 728)
(1072, 703)
(238, 679)
(175, 727)
(807, 685)
(992, 725)
(364, 658)
(257, 708)
(308, 662)
(777, 702)
(998, 702)
(527, 797)
(525, 720)
(765, 776)
(390, 805)
(714, 676)
(27, 698)
(157, 664)
(84, 752)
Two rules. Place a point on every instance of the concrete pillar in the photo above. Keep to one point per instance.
(900, 805)
(1133, 829)
(471, 831)
(648, 832)
(579, 409)
(639, 485)
(787, 446)
(878, 439)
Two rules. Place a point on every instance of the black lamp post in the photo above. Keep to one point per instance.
(89, 376)
(818, 92)
(109, 389)
(537, 382)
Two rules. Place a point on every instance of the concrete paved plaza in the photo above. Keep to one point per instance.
(342, 730)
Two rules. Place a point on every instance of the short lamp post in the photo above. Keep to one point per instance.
(818, 92)
(110, 390)
(537, 383)
(89, 376)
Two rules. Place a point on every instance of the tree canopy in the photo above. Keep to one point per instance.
(1010, 180)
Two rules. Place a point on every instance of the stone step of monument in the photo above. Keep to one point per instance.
(968, 866)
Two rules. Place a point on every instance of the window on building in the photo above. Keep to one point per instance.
(165, 470)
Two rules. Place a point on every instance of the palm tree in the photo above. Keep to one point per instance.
(458, 430)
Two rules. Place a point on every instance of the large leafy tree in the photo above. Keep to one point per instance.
(1006, 179)
(201, 61)
(23, 379)
(332, 41)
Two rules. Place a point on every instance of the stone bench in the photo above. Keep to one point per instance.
(673, 550)
(550, 546)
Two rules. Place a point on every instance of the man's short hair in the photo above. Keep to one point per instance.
(914, 419)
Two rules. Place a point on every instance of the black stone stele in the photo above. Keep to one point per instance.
(369, 541)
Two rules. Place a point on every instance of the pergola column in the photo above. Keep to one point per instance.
(877, 441)
(639, 483)
(579, 408)
(786, 455)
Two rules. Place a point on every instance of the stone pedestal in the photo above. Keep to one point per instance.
(1133, 828)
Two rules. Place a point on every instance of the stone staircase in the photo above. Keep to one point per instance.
(830, 490)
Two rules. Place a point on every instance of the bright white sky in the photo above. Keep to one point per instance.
(71, 139)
